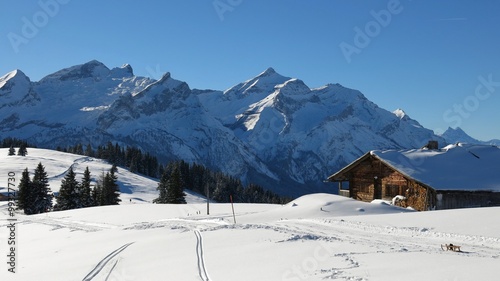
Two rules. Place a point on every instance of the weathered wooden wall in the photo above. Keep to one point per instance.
(452, 199)
(362, 179)
(372, 179)
(419, 197)
(372, 173)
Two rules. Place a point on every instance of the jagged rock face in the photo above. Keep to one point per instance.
(271, 129)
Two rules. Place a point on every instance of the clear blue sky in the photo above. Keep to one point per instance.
(424, 57)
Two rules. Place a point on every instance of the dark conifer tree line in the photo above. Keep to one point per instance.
(221, 186)
(192, 176)
(174, 178)
(13, 142)
(130, 158)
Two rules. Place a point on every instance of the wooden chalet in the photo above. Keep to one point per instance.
(457, 176)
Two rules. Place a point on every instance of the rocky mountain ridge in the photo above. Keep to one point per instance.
(271, 129)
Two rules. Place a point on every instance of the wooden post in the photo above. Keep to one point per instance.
(232, 206)
(208, 199)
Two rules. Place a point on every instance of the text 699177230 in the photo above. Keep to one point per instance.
(12, 258)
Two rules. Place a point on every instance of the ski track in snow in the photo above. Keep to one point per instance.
(111, 270)
(98, 268)
(202, 270)
(385, 239)
(76, 162)
(73, 225)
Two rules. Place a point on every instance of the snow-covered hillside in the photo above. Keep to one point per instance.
(134, 188)
(316, 237)
(272, 130)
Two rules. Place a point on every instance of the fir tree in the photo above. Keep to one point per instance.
(86, 194)
(69, 195)
(175, 190)
(89, 151)
(41, 191)
(108, 189)
(22, 151)
(78, 149)
(96, 195)
(162, 188)
(25, 193)
(12, 151)
(112, 187)
(98, 192)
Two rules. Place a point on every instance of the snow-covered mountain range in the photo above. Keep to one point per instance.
(272, 130)
(458, 135)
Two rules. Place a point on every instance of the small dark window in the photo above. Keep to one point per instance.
(364, 188)
(392, 190)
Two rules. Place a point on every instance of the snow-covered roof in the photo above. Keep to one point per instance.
(454, 167)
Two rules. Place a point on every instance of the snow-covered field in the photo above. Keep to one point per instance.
(315, 237)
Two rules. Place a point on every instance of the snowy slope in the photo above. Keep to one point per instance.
(316, 237)
(134, 188)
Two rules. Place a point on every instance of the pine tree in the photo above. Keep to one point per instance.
(79, 149)
(162, 188)
(86, 194)
(41, 190)
(23, 151)
(108, 189)
(113, 188)
(12, 151)
(175, 190)
(69, 195)
(98, 193)
(89, 151)
(25, 193)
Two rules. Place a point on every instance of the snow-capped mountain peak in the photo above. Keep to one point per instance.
(123, 71)
(458, 135)
(293, 87)
(166, 83)
(262, 83)
(268, 72)
(16, 90)
(91, 69)
(164, 78)
(14, 77)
